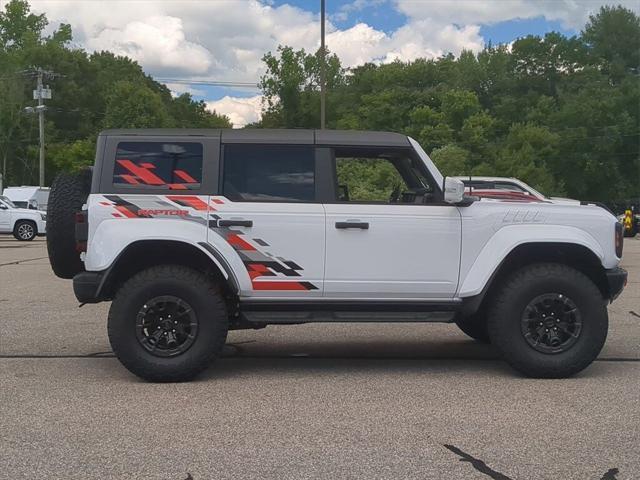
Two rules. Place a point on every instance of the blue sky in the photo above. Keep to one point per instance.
(384, 17)
(224, 40)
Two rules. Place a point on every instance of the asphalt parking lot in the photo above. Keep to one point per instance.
(313, 401)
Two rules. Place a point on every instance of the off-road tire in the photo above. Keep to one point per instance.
(522, 287)
(24, 223)
(189, 285)
(474, 326)
(69, 192)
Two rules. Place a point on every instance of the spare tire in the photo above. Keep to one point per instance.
(69, 192)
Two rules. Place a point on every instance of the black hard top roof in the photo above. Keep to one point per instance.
(288, 136)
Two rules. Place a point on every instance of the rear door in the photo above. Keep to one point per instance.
(388, 233)
(268, 213)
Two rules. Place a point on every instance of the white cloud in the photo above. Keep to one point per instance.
(178, 89)
(225, 40)
(572, 14)
(156, 42)
(240, 111)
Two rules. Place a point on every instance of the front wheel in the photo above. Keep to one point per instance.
(548, 321)
(25, 230)
(167, 323)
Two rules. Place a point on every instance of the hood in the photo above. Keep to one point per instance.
(22, 211)
(569, 201)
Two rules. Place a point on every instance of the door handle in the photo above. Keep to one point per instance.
(360, 225)
(235, 223)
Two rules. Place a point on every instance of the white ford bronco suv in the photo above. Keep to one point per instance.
(191, 233)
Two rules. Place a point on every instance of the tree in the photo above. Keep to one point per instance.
(291, 84)
(452, 160)
(131, 105)
(613, 36)
(18, 26)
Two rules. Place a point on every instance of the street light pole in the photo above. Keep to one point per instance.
(322, 67)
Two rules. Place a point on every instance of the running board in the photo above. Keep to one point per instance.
(263, 311)
(288, 317)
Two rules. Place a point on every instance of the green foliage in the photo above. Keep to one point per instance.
(131, 105)
(73, 156)
(562, 114)
(613, 35)
(452, 160)
(367, 179)
(95, 91)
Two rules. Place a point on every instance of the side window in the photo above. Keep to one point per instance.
(269, 173)
(159, 165)
(380, 176)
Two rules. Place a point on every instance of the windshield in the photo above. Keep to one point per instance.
(7, 201)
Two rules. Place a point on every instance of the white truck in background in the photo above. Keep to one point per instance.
(31, 197)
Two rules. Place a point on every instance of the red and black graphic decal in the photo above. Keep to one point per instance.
(259, 264)
(142, 174)
(189, 201)
(123, 208)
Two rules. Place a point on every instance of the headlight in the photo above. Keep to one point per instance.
(44, 217)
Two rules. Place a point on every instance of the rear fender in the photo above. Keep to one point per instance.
(112, 237)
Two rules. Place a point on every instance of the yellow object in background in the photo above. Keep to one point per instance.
(628, 219)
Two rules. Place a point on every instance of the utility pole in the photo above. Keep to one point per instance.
(323, 67)
(41, 125)
(41, 93)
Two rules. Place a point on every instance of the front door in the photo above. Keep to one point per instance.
(268, 213)
(388, 235)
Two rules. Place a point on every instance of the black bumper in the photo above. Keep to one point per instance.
(616, 281)
(87, 286)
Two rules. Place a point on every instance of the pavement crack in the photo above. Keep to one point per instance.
(18, 262)
(479, 465)
(611, 474)
(634, 313)
(44, 357)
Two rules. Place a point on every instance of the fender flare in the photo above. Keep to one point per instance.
(507, 239)
(214, 256)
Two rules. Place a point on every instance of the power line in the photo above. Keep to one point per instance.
(213, 83)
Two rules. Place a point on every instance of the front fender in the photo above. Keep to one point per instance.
(508, 238)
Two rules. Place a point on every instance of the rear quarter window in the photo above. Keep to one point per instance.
(158, 165)
(269, 173)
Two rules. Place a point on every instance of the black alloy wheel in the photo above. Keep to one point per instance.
(551, 323)
(166, 326)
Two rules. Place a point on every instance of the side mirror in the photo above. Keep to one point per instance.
(453, 190)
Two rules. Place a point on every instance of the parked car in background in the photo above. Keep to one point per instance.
(25, 224)
(34, 198)
(505, 195)
(510, 184)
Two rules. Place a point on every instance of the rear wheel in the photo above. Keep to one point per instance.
(167, 323)
(548, 320)
(25, 230)
(475, 326)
